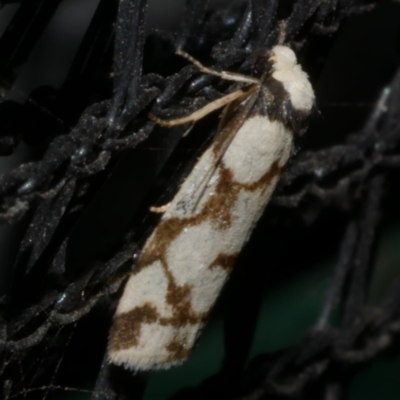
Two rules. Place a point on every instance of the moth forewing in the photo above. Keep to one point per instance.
(187, 258)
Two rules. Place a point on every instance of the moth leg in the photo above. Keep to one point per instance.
(202, 112)
(229, 76)
(160, 209)
(187, 131)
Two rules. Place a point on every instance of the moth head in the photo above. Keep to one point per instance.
(282, 58)
(265, 62)
(292, 78)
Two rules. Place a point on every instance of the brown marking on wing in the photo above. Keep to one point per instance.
(179, 297)
(125, 331)
(216, 209)
(177, 350)
(225, 261)
(263, 183)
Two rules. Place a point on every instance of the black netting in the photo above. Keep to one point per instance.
(92, 165)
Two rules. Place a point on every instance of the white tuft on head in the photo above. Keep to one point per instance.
(283, 57)
(293, 78)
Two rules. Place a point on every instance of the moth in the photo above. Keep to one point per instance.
(187, 259)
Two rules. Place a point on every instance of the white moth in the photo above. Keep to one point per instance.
(188, 257)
